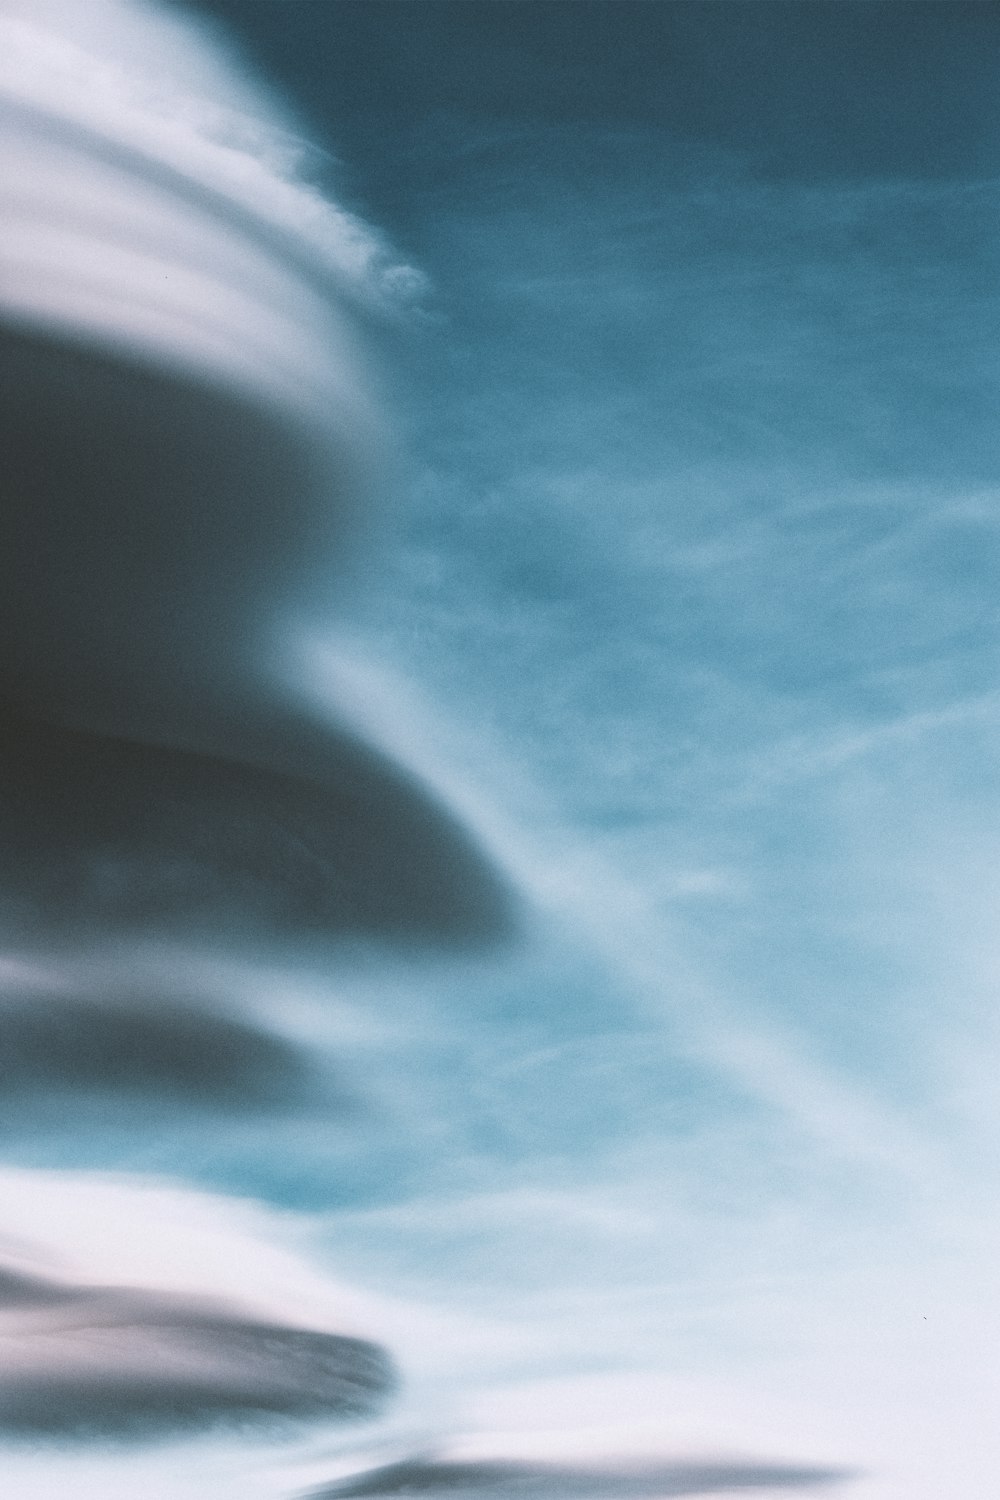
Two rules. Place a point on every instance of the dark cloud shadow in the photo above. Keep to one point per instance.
(539, 1481)
(104, 834)
(155, 532)
(153, 1054)
(23, 1289)
(90, 1362)
(151, 524)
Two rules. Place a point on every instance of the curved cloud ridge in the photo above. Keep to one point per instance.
(190, 449)
(113, 180)
(185, 304)
(188, 444)
(98, 1362)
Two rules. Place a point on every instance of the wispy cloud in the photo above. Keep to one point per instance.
(624, 923)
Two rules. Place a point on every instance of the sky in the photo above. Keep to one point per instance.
(649, 1122)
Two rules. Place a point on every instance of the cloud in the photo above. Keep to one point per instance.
(108, 834)
(516, 1480)
(145, 1053)
(175, 309)
(131, 82)
(92, 1362)
(191, 439)
(193, 446)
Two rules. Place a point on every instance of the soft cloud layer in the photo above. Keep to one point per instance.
(160, 278)
(185, 300)
(190, 444)
(114, 835)
(96, 1362)
(428, 1476)
(143, 1053)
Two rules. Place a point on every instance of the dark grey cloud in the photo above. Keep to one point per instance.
(103, 834)
(138, 533)
(502, 1479)
(188, 448)
(152, 527)
(151, 1052)
(103, 1362)
(20, 1288)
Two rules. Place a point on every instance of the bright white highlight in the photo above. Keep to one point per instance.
(152, 208)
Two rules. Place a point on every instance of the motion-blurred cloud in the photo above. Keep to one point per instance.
(92, 1362)
(512, 1480)
(144, 1053)
(189, 441)
(110, 835)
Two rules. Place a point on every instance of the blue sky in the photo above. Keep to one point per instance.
(686, 605)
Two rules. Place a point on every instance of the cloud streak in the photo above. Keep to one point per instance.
(92, 1362)
(146, 1054)
(626, 1481)
(112, 835)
